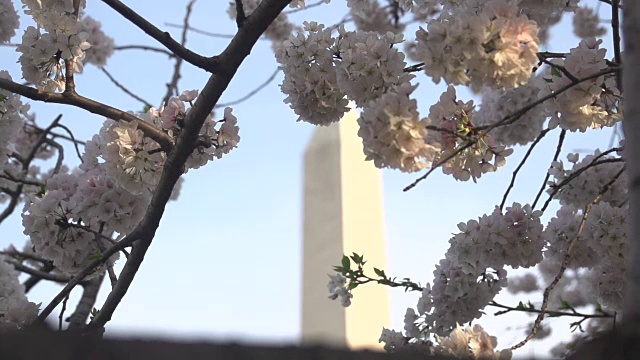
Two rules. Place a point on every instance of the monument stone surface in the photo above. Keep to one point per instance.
(343, 213)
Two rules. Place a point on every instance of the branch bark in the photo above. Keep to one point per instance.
(89, 294)
(163, 37)
(631, 126)
(229, 61)
(90, 105)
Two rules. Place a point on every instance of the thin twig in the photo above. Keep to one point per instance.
(563, 133)
(61, 315)
(205, 63)
(574, 175)
(59, 278)
(565, 263)
(33, 280)
(524, 159)
(72, 138)
(145, 48)
(509, 119)
(306, 7)
(252, 92)
(201, 32)
(124, 89)
(89, 269)
(172, 86)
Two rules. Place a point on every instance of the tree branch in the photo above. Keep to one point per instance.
(163, 37)
(173, 84)
(240, 15)
(89, 294)
(229, 61)
(90, 105)
(124, 89)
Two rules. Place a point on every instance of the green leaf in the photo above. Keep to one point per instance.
(346, 264)
(146, 108)
(2, 98)
(599, 307)
(357, 259)
(40, 193)
(352, 285)
(95, 256)
(556, 72)
(565, 305)
(379, 272)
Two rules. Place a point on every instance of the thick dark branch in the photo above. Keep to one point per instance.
(163, 37)
(93, 106)
(240, 15)
(89, 294)
(615, 27)
(229, 61)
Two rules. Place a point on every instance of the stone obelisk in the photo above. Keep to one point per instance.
(343, 213)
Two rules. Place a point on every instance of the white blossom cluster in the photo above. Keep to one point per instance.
(451, 127)
(338, 289)
(217, 142)
(15, 310)
(588, 104)
(101, 45)
(585, 187)
(129, 157)
(368, 65)
(472, 272)
(586, 23)
(56, 38)
(488, 45)
(393, 134)
(65, 224)
(602, 247)
(498, 104)
(12, 110)
(9, 20)
(470, 342)
(111, 189)
(323, 72)
(463, 343)
(310, 81)
(136, 161)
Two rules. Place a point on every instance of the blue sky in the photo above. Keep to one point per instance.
(226, 259)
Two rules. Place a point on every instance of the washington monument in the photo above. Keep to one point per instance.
(343, 213)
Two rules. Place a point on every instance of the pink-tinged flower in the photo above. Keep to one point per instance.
(170, 113)
(188, 95)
